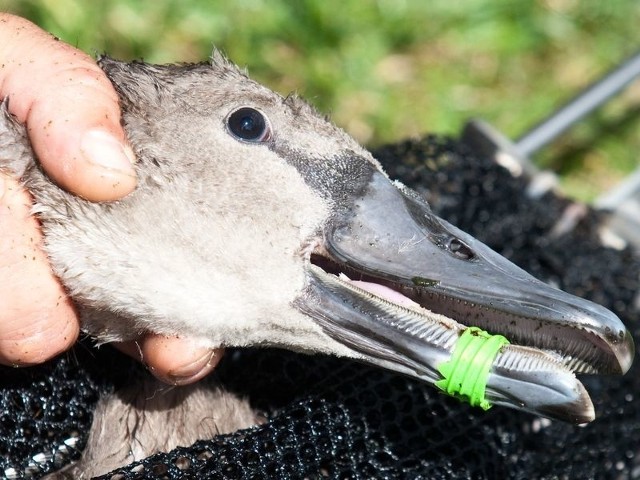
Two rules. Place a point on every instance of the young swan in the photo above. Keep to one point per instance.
(250, 207)
(209, 222)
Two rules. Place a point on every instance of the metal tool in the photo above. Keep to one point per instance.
(622, 201)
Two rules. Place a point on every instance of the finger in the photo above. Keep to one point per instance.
(37, 319)
(177, 361)
(70, 109)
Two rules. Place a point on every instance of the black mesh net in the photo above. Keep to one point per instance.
(332, 418)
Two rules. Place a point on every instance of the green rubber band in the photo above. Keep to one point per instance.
(465, 374)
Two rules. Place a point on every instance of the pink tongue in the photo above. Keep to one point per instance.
(386, 293)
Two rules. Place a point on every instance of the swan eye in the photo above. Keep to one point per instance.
(249, 125)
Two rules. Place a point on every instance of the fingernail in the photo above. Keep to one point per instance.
(193, 370)
(103, 149)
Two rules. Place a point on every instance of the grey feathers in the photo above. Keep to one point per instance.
(212, 243)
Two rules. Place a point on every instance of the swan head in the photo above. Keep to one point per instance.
(257, 222)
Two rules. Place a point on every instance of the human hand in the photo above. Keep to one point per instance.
(72, 117)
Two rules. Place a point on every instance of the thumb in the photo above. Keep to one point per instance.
(70, 109)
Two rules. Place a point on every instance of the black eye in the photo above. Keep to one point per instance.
(460, 249)
(249, 124)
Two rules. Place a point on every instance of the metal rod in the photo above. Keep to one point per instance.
(577, 108)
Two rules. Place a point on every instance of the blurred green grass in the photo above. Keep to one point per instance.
(390, 69)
